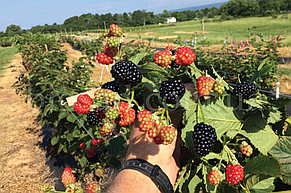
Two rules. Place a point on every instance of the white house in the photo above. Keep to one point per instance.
(171, 20)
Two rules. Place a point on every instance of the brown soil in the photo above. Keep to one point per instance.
(74, 55)
(22, 159)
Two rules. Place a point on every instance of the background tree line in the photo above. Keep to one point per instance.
(89, 21)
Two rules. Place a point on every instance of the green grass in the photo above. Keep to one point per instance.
(218, 31)
(6, 54)
(285, 70)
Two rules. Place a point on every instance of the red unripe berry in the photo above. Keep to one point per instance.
(83, 145)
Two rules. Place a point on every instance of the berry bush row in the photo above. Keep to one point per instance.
(234, 137)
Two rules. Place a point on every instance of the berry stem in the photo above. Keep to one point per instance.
(168, 117)
(195, 68)
(200, 107)
(244, 188)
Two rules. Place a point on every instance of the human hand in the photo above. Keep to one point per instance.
(143, 147)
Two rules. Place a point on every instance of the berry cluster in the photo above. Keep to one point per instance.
(145, 120)
(97, 141)
(82, 106)
(113, 85)
(111, 51)
(103, 58)
(218, 88)
(92, 187)
(246, 149)
(95, 117)
(111, 113)
(91, 152)
(68, 177)
(126, 114)
(234, 173)
(245, 90)
(172, 91)
(107, 129)
(214, 177)
(126, 73)
(115, 30)
(170, 48)
(204, 85)
(105, 95)
(163, 58)
(185, 56)
(105, 33)
(166, 135)
(204, 137)
(113, 42)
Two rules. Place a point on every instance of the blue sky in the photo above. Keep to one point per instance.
(29, 13)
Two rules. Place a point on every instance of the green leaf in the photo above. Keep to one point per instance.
(83, 161)
(224, 187)
(62, 115)
(274, 115)
(152, 67)
(114, 162)
(136, 58)
(266, 185)
(189, 104)
(116, 145)
(76, 133)
(220, 79)
(260, 70)
(254, 103)
(282, 152)
(256, 129)
(71, 118)
(262, 165)
(55, 140)
(70, 137)
(149, 84)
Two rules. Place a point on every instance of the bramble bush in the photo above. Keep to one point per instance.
(256, 120)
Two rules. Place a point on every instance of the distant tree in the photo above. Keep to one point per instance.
(139, 18)
(150, 18)
(159, 19)
(126, 20)
(12, 29)
(182, 16)
(118, 19)
(166, 14)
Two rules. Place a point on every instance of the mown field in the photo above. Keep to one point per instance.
(216, 32)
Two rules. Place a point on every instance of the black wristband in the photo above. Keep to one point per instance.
(153, 171)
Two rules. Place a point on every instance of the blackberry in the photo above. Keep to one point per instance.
(113, 85)
(172, 91)
(99, 113)
(245, 90)
(204, 137)
(92, 118)
(126, 73)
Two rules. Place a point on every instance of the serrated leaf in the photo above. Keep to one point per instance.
(260, 70)
(282, 152)
(218, 113)
(114, 162)
(262, 165)
(188, 103)
(55, 140)
(71, 118)
(258, 132)
(220, 79)
(152, 67)
(150, 85)
(224, 187)
(266, 185)
(116, 145)
(136, 58)
(274, 116)
(254, 103)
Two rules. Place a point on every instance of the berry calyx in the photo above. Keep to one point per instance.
(185, 56)
(163, 58)
(234, 173)
(204, 137)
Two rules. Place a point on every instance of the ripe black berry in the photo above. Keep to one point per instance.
(126, 73)
(113, 85)
(172, 91)
(92, 118)
(245, 90)
(204, 137)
